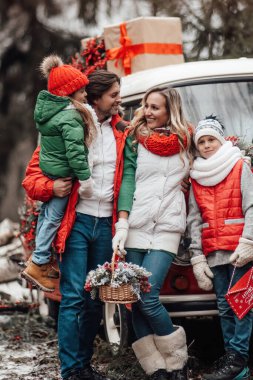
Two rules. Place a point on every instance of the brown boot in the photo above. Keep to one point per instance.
(39, 275)
(53, 271)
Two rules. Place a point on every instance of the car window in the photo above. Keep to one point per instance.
(231, 101)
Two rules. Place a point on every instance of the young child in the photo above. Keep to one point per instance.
(220, 223)
(65, 125)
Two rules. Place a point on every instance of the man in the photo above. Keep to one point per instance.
(88, 226)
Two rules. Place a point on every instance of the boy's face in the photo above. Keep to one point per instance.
(208, 146)
(80, 95)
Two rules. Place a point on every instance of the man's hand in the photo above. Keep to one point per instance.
(62, 187)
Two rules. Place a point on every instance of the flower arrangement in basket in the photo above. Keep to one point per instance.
(118, 281)
(29, 213)
(244, 146)
(93, 57)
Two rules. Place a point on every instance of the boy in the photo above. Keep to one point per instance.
(220, 223)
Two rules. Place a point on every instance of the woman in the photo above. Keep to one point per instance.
(152, 218)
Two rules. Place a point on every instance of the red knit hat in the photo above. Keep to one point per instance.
(63, 80)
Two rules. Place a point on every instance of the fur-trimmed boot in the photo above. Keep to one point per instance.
(174, 350)
(150, 358)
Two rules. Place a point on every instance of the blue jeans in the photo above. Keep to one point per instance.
(236, 332)
(49, 221)
(149, 315)
(89, 244)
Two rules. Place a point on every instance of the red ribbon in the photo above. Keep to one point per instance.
(126, 52)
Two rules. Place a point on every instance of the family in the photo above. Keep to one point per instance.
(107, 184)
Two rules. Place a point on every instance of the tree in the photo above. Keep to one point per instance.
(24, 41)
(213, 29)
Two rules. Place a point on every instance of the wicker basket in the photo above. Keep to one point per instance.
(121, 294)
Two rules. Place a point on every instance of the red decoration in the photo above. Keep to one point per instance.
(93, 57)
(29, 213)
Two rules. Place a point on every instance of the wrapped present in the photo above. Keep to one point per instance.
(143, 43)
(240, 296)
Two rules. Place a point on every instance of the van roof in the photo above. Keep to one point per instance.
(141, 81)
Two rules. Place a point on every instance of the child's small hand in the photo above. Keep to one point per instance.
(185, 185)
(202, 272)
(243, 253)
(86, 188)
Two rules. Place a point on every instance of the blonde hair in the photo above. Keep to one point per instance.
(176, 119)
(89, 127)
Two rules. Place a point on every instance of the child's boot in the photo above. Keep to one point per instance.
(150, 358)
(173, 348)
(39, 275)
(54, 271)
(233, 367)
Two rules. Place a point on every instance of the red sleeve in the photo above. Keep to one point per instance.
(37, 185)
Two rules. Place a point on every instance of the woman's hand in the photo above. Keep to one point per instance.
(118, 242)
(62, 187)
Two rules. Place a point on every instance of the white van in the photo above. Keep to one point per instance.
(223, 88)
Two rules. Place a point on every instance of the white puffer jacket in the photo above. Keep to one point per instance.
(158, 216)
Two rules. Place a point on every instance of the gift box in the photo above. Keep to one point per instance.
(240, 296)
(143, 43)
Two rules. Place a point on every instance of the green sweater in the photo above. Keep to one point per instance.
(127, 188)
(63, 152)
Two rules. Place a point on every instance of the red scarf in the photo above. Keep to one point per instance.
(161, 144)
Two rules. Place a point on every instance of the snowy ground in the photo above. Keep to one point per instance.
(28, 350)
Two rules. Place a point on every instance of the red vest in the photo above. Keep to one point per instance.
(221, 210)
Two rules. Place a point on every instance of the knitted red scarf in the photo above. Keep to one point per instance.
(161, 144)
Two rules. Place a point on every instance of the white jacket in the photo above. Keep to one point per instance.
(102, 161)
(158, 216)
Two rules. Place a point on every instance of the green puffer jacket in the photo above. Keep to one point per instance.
(63, 152)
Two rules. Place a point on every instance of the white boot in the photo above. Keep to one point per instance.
(148, 355)
(173, 349)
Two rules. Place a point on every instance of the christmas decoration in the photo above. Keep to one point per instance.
(122, 273)
(92, 57)
(29, 213)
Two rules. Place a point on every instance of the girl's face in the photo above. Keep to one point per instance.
(208, 146)
(80, 95)
(155, 110)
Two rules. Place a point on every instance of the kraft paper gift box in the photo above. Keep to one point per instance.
(143, 43)
(240, 296)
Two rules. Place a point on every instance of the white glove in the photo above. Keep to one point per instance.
(86, 188)
(243, 253)
(202, 272)
(118, 242)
